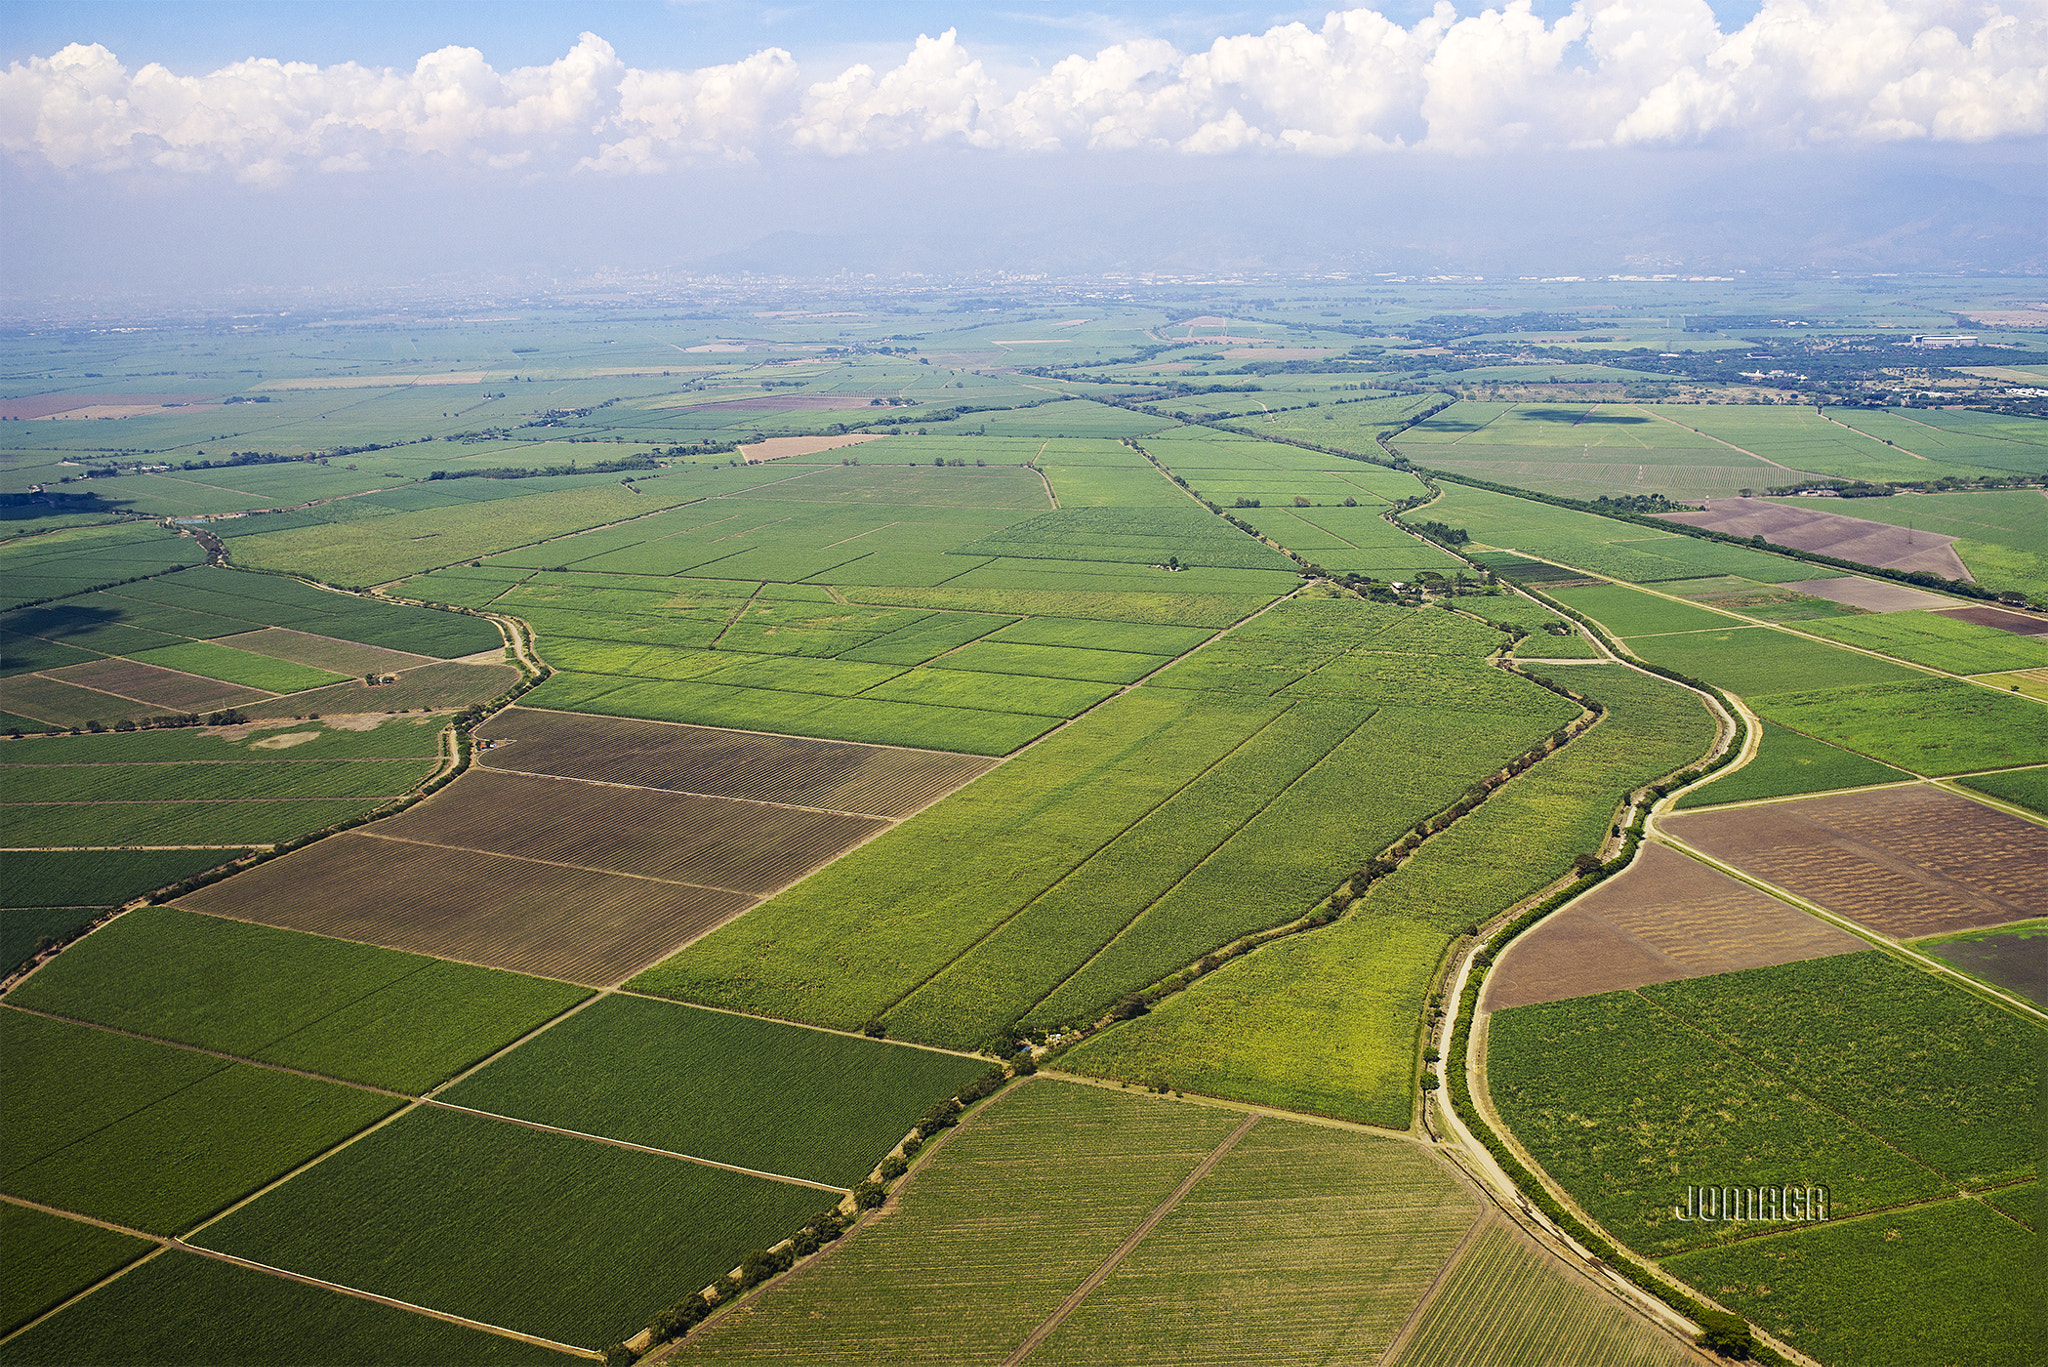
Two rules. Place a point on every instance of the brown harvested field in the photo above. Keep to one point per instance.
(2018, 623)
(867, 780)
(749, 848)
(1902, 861)
(50, 405)
(1872, 595)
(323, 652)
(591, 928)
(62, 704)
(779, 448)
(153, 686)
(1847, 538)
(445, 684)
(1667, 917)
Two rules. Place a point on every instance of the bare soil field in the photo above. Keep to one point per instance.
(1872, 595)
(155, 686)
(443, 684)
(746, 848)
(780, 448)
(1667, 917)
(865, 780)
(1902, 861)
(323, 652)
(1849, 538)
(590, 928)
(2016, 961)
(2018, 623)
(52, 405)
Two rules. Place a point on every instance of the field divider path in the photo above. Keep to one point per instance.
(1806, 474)
(1408, 1327)
(1919, 960)
(1130, 1243)
(551, 863)
(627, 1144)
(683, 792)
(251, 1265)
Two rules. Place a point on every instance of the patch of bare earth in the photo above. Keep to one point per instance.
(1829, 533)
(1667, 917)
(781, 448)
(1869, 594)
(2018, 623)
(1901, 861)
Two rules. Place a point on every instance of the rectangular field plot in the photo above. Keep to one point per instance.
(1320, 1241)
(1787, 764)
(1904, 1287)
(2014, 960)
(1902, 861)
(530, 917)
(321, 652)
(46, 1259)
(142, 822)
(1763, 660)
(756, 1094)
(747, 848)
(576, 1241)
(861, 779)
(186, 1310)
(1507, 1304)
(154, 1137)
(211, 660)
(1940, 640)
(1006, 1218)
(1940, 726)
(345, 1010)
(157, 687)
(1665, 917)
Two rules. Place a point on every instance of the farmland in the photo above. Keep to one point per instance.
(2002, 537)
(1934, 727)
(50, 1259)
(2011, 959)
(1788, 764)
(1930, 638)
(2024, 787)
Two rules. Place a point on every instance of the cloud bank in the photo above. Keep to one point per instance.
(1609, 74)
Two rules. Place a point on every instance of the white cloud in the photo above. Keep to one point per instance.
(1609, 73)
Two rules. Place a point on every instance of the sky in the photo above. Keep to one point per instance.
(168, 146)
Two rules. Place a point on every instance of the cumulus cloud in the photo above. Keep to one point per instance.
(1610, 73)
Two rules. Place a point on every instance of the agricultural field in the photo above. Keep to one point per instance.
(48, 1259)
(1904, 861)
(1778, 602)
(2009, 959)
(66, 890)
(1356, 986)
(1855, 1072)
(1937, 727)
(2023, 787)
(1752, 661)
(2001, 536)
(39, 567)
(1931, 638)
(1788, 764)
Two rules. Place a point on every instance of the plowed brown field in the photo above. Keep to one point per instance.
(1667, 917)
(590, 928)
(323, 652)
(156, 687)
(1902, 861)
(868, 780)
(748, 848)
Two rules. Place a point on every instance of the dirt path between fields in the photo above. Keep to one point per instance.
(1136, 1236)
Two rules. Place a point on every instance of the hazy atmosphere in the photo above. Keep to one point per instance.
(172, 148)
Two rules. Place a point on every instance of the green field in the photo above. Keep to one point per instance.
(1786, 764)
(1631, 612)
(46, 1259)
(1507, 1305)
(2001, 536)
(138, 822)
(1938, 727)
(572, 1240)
(56, 564)
(237, 667)
(350, 1011)
(1928, 638)
(154, 1137)
(1880, 1082)
(181, 1310)
(2026, 787)
(756, 1094)
(1941, 1283)
(1757, 660)
(1356, 987)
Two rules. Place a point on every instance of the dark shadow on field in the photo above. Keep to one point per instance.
(56, 621)
(1579, 417)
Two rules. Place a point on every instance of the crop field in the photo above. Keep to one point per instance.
(47, 1259)
(1901, 1287)
(1763, 660)
(1902, 861)
(1981, 439)
(322, 652)
(55, 892)
(2023, 787)
(1805, 440)
(348, 1011)
(2011, 959)
(1770, 602)
(153, 1137)
(143, 822)
(855, 779)
(1179, 531)
(1855, 1071)
(228, 665)
(1935, 727)
(1666, 917)
(1508, 1305)
(757, 1094)
(1930, 638)
(184, 1310)
(1356, 986)
(496, 1222)
(1605, 546)
(71, 560)
(1788, 764)
(1631, 612)
(1550, 634)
